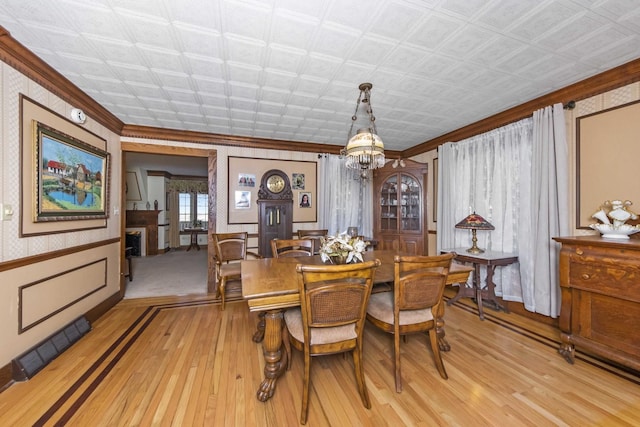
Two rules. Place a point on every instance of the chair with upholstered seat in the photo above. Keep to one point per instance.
(411, 307)
(230, 249)
(282, 248)
(331, 317)
(313, 235)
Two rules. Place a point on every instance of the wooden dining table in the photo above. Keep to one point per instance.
(270, 286)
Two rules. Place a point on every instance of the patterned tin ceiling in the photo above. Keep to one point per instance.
(290, 69)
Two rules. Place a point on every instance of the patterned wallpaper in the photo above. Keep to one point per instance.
(11, 245)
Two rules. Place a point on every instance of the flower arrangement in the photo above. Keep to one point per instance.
(342, 249)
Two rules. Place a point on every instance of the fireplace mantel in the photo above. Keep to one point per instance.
(149, 220)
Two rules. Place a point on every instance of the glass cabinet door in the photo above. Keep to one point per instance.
(410, 203)
(400, 204)
(389, 204)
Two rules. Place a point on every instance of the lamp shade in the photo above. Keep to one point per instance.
(475, 222)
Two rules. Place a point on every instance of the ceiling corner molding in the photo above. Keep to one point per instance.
(26, 62)
(608, 80)
(149, 132)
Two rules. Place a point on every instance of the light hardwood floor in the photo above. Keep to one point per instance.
(181, 361)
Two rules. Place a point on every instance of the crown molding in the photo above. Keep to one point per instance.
(22, 59)
(149, 132)
(609, 80)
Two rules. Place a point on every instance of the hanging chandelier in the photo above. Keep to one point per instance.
(364, 150)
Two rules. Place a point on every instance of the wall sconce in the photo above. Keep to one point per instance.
(398, 162)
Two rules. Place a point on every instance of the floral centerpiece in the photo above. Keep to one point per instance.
(342, 249)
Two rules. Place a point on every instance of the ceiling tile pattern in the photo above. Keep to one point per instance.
(290, 69)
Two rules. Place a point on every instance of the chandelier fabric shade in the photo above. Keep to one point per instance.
(365, 149)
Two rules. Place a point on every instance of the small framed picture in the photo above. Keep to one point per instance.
(304, 199)
(243, 199)
(246, 180)
(297, 181)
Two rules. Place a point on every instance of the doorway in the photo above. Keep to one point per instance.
(178, 161)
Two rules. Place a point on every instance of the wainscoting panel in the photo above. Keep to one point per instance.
(44, 293)
(44, 298)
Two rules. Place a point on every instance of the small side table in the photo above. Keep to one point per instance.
(491, 260)
(194, 237)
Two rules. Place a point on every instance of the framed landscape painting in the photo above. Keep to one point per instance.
(71, 177)
(80, 162)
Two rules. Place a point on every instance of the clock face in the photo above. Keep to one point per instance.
(275, 183)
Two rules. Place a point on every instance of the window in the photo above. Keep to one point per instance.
(192, 208)
(184, 202)
(202, 208)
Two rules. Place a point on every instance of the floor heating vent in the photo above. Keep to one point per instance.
(33, 360)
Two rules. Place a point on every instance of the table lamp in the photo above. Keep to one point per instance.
(475, 222)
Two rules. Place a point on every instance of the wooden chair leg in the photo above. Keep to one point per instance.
(396, 362)
(130, 268)
(218, 279)
(287, 345)
(305, 388)
(359, 371)
(433, 337)
(222, 284)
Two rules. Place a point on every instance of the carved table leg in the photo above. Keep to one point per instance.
(477, 284)
(491, 290)
(258, 336)
(463, 292)
(567, 349)
(273, 355)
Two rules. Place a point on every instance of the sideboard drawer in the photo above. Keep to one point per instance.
(611, 279)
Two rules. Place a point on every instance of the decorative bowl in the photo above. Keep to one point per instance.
(609, 231)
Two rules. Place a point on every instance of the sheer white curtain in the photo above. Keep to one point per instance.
(517, 178)
(549, 212)
(487, 174)
(344, 200)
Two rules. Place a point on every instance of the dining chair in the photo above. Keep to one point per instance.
(330, 319)
(411, 307)
(313, 235)
(230, 249)
(281, 248)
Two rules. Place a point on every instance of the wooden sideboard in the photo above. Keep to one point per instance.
(600, 285)
(149, 221)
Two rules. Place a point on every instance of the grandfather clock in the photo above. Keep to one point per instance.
(275, 210)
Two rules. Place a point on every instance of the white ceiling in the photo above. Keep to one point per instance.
(290, 69)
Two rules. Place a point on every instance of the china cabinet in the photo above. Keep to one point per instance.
(400, 215)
